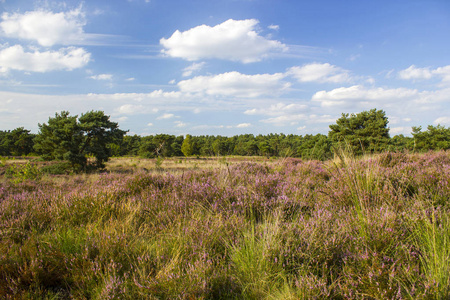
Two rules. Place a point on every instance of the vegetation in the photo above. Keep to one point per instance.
(366, 132)
(376, 227)
(221, 227)
(75, 139)
(70, 138)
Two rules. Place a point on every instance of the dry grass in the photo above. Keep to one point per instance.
(177, 165)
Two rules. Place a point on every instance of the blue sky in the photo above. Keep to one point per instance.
(225, 67)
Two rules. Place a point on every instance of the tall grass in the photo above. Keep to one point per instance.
(372, 228)
(431, 236)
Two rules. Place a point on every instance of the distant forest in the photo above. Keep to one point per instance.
(362, 133)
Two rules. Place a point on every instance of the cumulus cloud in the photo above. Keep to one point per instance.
(243, 125)
(44, 27)
(317, 72)
(192, 68)
(16, 58)
(165, 116)
(179, 124)
(236, 84)
(345, 95)
(442, 121)
(444, 73)
(130, 109)
(414, 73)
(234, 40)
(102, 77)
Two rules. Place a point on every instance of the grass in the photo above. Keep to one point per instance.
(231, 228)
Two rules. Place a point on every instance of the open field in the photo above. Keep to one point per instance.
(231, 228)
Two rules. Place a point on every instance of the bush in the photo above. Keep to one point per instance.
(19, 173)
(58, 168)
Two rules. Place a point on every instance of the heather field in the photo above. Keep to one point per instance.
(369, 228)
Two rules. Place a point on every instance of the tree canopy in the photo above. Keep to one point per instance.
(75, 139)
(88, 141)
(365, 132)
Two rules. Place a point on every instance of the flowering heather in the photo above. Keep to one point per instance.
(372, 228)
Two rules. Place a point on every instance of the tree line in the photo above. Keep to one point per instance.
(89, 140)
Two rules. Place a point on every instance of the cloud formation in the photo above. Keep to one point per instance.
(236, 84)
(317, 72)
(192, 68)
(235, 40)
(346, 95)
(102, 77)
(15, 58)
(44, 27)
(414, 73)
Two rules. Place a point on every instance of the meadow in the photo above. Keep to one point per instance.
(375, 227)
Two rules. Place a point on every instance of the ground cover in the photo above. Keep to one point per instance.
(229, 228)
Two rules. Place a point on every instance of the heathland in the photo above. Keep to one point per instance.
(372, 227)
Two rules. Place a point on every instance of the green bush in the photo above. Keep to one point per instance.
(19, 172)
(57, 169)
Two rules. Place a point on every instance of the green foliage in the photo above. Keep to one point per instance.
(59, 168)
(22, 172)
(188, 146)
(17, 142)
(435, 138)
(365, 132)
(431, 234)
(74, 139)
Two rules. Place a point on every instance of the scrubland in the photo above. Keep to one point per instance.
(370, 228)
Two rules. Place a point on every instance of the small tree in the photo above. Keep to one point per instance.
(68, 138)
(187, 147)
(363, 132)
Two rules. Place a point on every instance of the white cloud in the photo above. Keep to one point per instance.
(274, 27)
(102, 77)
(415, 73)
(444, 72)
(45, 27)
(130, 109)
(243, 125)
(291, 119)
(277, 109)
(317, 72)
(130, 79)
(149, 124)
(234, 40)
(346, 95)
(399, 130)
(179, 124)
(236, 84)
(16, 58)
(165, 117)
(442, 121)
(192, 68)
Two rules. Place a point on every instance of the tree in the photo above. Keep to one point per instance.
(98, 132)
(188, 146)
(435, 138)
(75, 139)
(16, 142)
(363, 132)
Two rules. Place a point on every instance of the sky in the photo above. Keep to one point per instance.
(225, 67)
